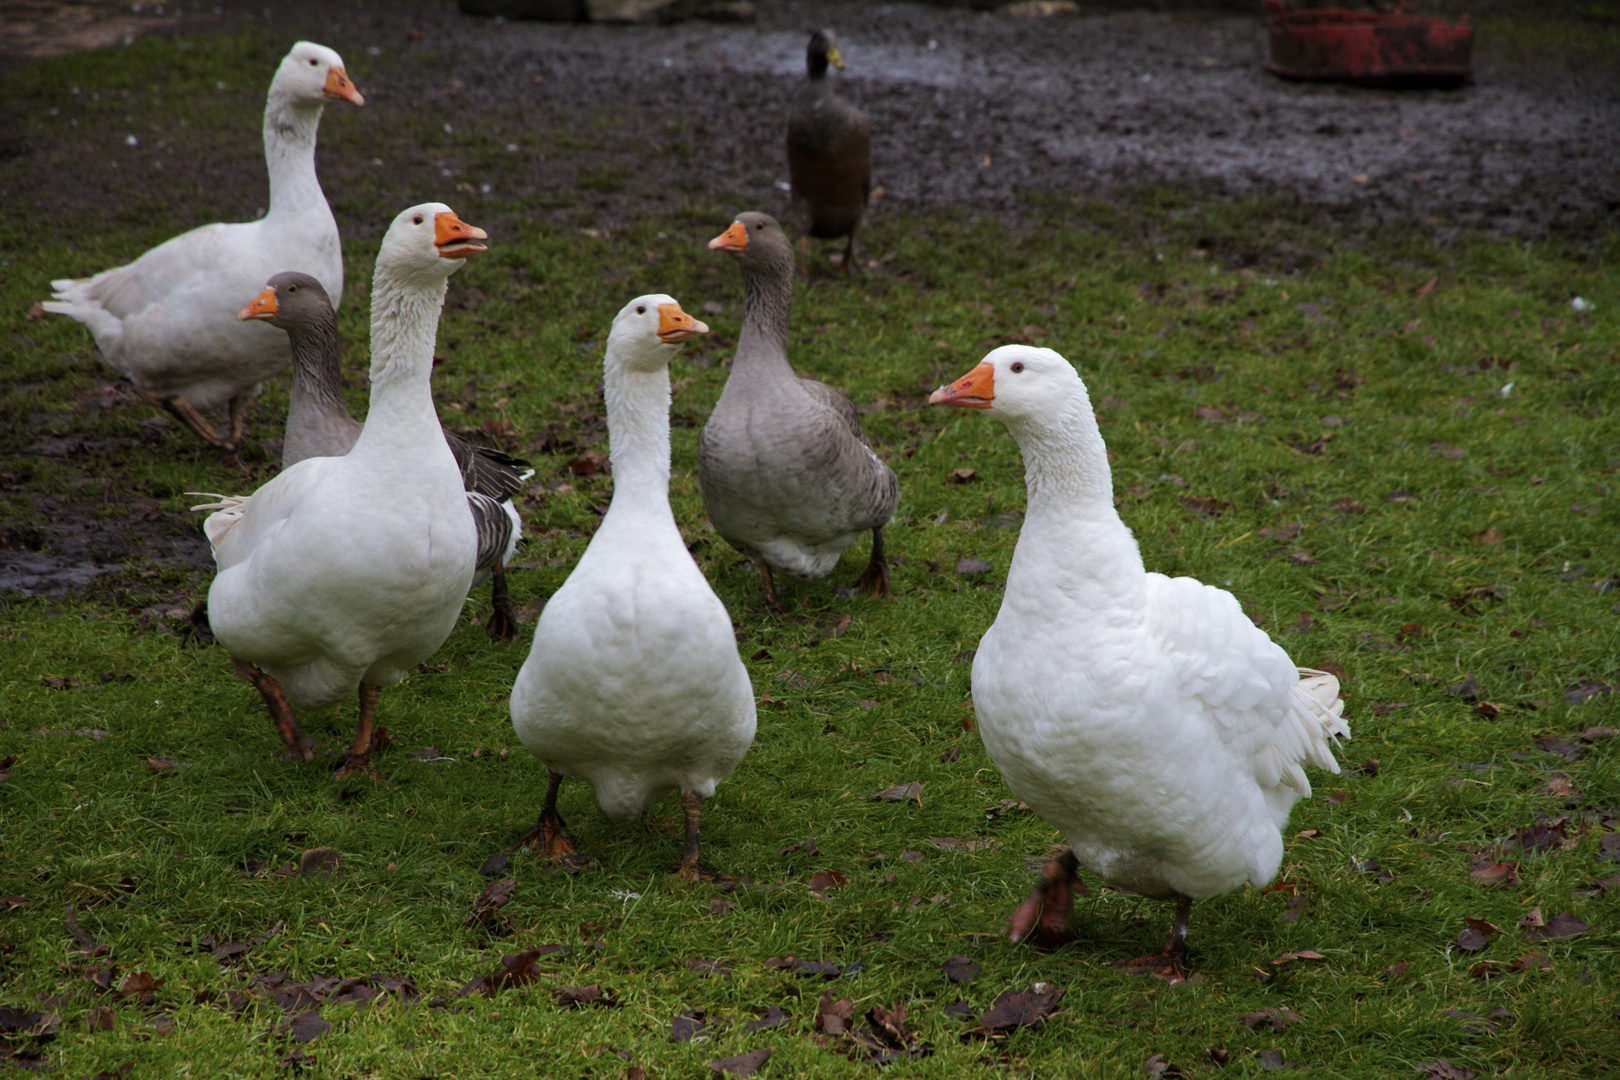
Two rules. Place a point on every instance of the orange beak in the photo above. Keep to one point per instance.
(339, 86)
(975, 390)
(731, 241)
(676, 326)
(263, 306)
(454, 237)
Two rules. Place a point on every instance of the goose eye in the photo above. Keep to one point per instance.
(417, 220)
(641, 309)
(292, 288)
(1017, 367)
(314, 63)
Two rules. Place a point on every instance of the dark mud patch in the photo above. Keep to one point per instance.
(91, 527)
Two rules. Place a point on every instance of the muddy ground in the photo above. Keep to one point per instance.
(609, 124)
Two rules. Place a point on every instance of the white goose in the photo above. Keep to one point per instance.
(633, 681)
(1146, 717)
(168, 319)
(347, 572)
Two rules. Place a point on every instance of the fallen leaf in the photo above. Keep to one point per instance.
(322, 861)
(1021, 1008)
(495, 865)
(692, 1024)
(1585, 690)
(806, 847)
(139, 982)
(1591, 734)
(1302, 954)
(1273, 1019)
(971, 565)
(102, 1018)
(573, 997)
(1495, 873)
(828, 879)
(1427, 288)
(1562, 925)
(833, 1016)
(1468, 689)
(743, 1064)
(486, 909)
(903, 793)
(1369, 767)
(1532, 961)
(1476, 935)
(962, 476)
(774, 1017)
(517, 969)
(306, 1027)
(1560, 786)
(1397, 969)
(82, 940)
(804, 967)
(1273, 1060)
(1490, 537)
(162, 765)
(960, 969)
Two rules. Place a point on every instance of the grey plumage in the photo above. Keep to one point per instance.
(787, 472)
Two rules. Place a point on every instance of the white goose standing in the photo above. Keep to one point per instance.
(168, 319)
(633, 681)
(346, 572)
(1146, 717)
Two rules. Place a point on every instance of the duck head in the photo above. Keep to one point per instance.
(821, 53)
(649, 330)
(1013, 383)
(290, 300)
(312, 74)
(428, 243)
(756, 240)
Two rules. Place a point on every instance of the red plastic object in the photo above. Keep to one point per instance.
(1368, 47)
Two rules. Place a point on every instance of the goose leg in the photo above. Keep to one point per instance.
(771, 596)
(804, 257)
(549, 831)
(187, 414)
(358, 758)
(848, 262)
(501, 625)
(687, 870)
(1170, 962)
(280, 712)
(876, 575)
(1044, 914)
(239, 411)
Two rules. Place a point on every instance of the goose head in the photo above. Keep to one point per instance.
(291, 301)
(1015, 383)
(428, 243)
(648, 331)
(822, 52)
(757, 241)
(312, 74)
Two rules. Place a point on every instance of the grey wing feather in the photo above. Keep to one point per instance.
(883, 492)
(494, 527)
(486, 470)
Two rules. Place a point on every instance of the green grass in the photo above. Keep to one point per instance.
(1166, 306)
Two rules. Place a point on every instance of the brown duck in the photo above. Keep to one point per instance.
(829, 149)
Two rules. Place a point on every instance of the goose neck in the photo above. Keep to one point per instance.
(289, 153)
(317, 371)
(1065, 462)
(638, 436)
(767, 306)
(404, 325)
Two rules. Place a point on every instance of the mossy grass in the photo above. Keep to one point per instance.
(1267, 381)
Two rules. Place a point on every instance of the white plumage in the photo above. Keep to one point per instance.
(348, 571)
(168, 319)
(633, 681)
(1146, 717)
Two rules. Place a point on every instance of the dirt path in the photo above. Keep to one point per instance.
(970, 109)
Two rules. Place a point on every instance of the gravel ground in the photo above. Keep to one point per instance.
(970, 109)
